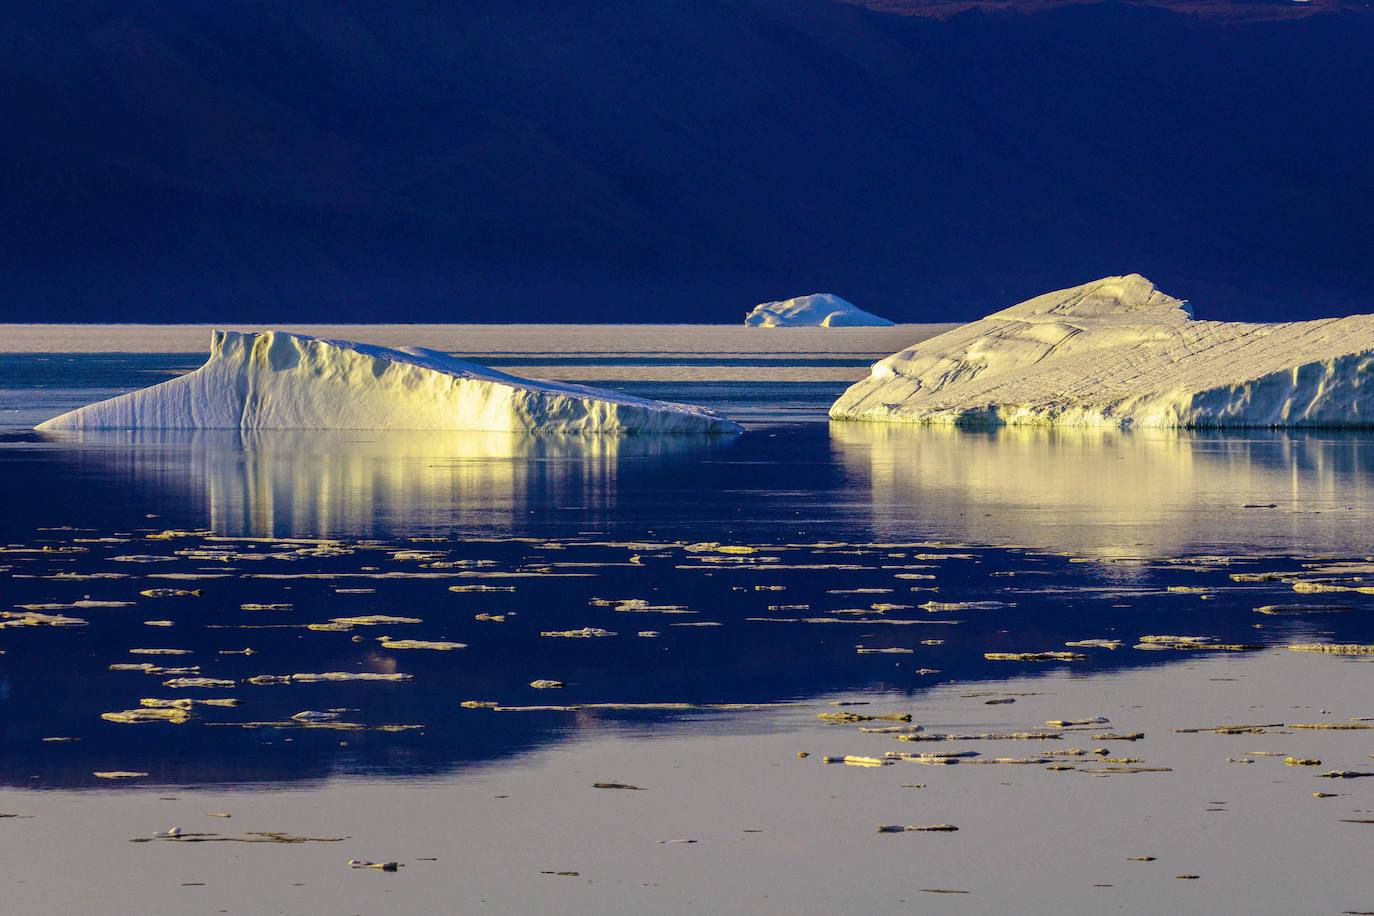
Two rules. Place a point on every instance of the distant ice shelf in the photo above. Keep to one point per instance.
(1119, 353)
(818, 310)
(277, 380)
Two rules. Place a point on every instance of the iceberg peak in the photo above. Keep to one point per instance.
(1130, 296)
(279, 380)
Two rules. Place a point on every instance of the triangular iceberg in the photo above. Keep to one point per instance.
(277, 380)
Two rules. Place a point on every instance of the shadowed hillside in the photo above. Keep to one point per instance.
(614, 160)
(1220, 10)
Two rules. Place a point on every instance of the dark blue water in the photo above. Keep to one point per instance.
(1070, 538)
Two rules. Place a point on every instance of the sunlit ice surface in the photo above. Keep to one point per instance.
(1124, 584)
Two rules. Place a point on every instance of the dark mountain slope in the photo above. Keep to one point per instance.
(612, 160)
(1219, 10)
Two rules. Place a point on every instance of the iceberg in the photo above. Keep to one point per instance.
(277, 380)
(1119, 353)
(818, 310)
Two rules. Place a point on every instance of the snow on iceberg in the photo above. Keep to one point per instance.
(276, 380)
(818, 310)
(1118, 352)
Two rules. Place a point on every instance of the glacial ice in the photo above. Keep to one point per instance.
(1119, 353)
(818, 310)
(277, 380)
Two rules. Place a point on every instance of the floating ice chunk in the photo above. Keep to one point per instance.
(314, 715)
(818, 310)
(584, 633)
(276, 380)
(183, 683)
(856, 717)
(344, 676)
(344, 624)
(438, 645)
(35, 619)
(187, 703)
(142, 715)
(1332, 648)
(855, 760)
(1035, 656)
(1119, 353)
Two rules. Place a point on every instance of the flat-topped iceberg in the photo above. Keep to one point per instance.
(276, 380)
(1118, 352)
(818, 310)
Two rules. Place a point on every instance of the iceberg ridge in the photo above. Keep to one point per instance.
(1119, 353)
(278, 380)
(818, 310)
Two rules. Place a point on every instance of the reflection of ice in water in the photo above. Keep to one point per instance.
(358, 483)
(1114, 492)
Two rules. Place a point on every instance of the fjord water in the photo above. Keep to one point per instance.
(835, 536)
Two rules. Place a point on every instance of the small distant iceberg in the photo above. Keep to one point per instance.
(277, 380)
(818, 310)
(1119, 353)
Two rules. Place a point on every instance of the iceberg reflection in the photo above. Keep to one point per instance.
(360, 483)
(1114, 492)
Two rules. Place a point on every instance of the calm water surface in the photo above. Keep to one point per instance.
(753, 583)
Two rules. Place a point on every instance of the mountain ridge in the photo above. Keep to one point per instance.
(1232, 11)
(607, 161)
